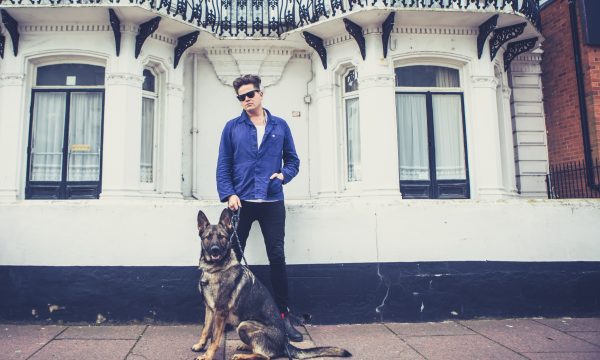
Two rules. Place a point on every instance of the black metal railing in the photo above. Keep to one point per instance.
(271, 18)
(573, 180)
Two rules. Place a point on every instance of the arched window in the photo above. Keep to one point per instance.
(148, 143)
(65, 139)
(431, 137)
(352, 125)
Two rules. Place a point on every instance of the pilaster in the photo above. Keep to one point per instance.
(529, 125)
(486, 138)
(11, 120)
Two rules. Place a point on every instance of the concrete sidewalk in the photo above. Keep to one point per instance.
(548, 339)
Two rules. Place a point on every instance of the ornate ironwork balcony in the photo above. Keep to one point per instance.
(272, 18)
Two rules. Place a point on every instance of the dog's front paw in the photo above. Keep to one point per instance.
(198, 347)
(203, 357)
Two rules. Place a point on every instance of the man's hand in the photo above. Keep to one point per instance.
(277, 175)
(234, 202)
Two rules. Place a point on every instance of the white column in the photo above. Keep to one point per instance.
(12, 129)
(122, 121)
(323, 154)
(378, 134)
(508, 147)
(486, 137)
(172, 141)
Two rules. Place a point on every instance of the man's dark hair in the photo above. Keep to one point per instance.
(245, 80)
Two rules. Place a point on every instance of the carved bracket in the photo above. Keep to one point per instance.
(516, 48)
(13, 29)
(386, 28)
(115, 23)
(183, 43)
(356, 32)
(502, 35)
(485, 30)
(146, 29)
(316, 43)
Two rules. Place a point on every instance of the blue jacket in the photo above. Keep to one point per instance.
(244, 170)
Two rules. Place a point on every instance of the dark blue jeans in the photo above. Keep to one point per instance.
(271, 218)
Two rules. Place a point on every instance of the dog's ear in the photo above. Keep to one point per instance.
(202, 222)
(225, 219)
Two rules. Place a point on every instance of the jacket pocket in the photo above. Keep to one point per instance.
(275, 186)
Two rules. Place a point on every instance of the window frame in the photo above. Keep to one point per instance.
(345, 96)
(155, 96)
(434, 188)
(63, 189)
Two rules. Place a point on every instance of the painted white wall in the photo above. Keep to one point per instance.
(163, 232)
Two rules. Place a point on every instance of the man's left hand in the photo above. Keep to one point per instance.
(277, 175)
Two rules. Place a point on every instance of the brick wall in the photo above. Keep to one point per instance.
(561, 103)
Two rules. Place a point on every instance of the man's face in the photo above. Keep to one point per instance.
(250, 104)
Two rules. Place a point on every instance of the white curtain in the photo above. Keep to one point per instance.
(446, 77)
(147, 140)
(449, 142)
(48, 136)
(353, 140)
(413, 153)
(85, 129)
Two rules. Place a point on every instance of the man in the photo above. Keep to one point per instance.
(256, 157)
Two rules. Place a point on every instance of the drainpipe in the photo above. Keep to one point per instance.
(587, 148)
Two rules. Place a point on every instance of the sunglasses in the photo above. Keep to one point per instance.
(249, 94)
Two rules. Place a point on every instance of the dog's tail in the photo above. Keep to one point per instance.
(317, 352)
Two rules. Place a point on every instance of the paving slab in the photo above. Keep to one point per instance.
(85, 349)
(525, 335)
(103, 332)
(21, 341)
(589, 336)
(460, 347)
(570, 324)
(170, 342)
(563, 356)
(365, 341)
(428, 329)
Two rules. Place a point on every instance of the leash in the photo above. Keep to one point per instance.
(235, 220)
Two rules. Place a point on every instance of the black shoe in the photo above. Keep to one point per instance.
(292, 333)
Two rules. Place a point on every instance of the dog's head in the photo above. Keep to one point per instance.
(215, 238)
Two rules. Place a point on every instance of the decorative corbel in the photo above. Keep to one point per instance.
(516, 48)
(356, 32)
(502, 35)
(115, 23)
(13, 29)
(387, 27)
(485, 30)
(183, 43)
(316, 43)
(146, 29)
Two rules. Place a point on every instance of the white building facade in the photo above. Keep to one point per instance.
(419, 125)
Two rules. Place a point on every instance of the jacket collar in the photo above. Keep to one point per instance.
(270, 120)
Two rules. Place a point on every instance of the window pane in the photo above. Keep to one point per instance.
(70, 75)
(449, 142)
(427, 76)
(351, 81)
(85, 129)
(147, 140)
(149, 81)
(353, 140)
(413, 153)
(48, 134)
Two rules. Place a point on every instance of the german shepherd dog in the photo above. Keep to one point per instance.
(233, 295)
